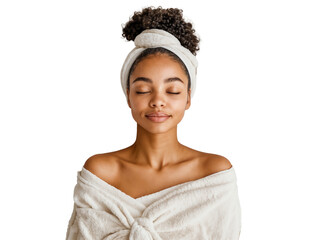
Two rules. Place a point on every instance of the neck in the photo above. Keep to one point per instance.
(156, 150)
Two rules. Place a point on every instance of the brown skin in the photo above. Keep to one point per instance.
(156, 160)
(156, 144)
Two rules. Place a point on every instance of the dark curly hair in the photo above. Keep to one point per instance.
(170, 20)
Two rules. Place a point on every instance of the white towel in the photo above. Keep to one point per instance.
(202, 209)
(152, 38)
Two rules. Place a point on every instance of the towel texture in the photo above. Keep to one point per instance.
(153, 38)
(205, 209)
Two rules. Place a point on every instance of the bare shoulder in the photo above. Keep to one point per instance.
(104, 166)
(215, 163)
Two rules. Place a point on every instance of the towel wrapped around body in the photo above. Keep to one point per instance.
(205, 209)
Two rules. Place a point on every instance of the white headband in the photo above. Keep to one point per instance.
(153, 38)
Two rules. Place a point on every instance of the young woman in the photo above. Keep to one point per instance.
(157, 188)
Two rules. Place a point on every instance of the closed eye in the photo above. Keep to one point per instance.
(167, 92)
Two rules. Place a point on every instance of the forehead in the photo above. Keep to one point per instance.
(158, 67)
(148, 80)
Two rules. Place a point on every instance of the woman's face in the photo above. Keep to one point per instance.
(158, 95)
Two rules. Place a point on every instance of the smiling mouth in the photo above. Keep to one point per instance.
(158, 117)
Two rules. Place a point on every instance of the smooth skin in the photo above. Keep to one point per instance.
(156, 160)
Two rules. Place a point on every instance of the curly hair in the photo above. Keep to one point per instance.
(170, 20)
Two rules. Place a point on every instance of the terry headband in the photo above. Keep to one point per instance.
(152, 38)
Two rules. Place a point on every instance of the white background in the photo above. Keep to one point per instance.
(256, 103)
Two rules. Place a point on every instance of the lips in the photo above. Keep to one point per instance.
(157, 114)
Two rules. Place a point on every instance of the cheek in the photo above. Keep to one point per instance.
(137, 106)
(179, 107)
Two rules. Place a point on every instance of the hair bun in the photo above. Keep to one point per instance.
(170, 20)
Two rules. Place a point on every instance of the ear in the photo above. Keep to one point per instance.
(188, 103)
(128, 99)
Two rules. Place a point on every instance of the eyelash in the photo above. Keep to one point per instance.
(148, 92)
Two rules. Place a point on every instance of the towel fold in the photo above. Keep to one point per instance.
(205, 209)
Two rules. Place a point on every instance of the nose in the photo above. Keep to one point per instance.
(157, 100)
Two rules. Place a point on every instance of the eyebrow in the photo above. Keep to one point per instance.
(144, 79)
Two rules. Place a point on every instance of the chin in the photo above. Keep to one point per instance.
(157, 128)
